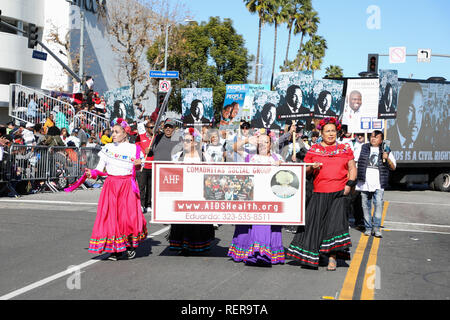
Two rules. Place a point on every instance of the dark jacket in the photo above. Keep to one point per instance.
(363, 162)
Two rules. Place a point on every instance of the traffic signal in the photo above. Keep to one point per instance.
(372, 63)
(32, 35)
(161, 96)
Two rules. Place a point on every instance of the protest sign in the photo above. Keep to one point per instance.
(197, 106)
(327, 98)
(234, 193)
(387, 107)
(361, 103)
(295, 90)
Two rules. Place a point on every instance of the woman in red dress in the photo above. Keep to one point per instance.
(326, 229)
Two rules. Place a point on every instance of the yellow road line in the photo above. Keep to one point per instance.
(371, 277)
(350, 280)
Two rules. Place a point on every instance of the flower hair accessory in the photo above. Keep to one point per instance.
(329, 120)
(194, 133)
(121, 122)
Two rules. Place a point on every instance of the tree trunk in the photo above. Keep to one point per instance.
(274, 55)
(288, 45)
(258, 51)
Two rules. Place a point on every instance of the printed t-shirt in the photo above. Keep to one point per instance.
(332, 175)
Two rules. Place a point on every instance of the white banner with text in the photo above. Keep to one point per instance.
(228, 193)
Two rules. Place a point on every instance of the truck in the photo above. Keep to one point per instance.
(420, 134)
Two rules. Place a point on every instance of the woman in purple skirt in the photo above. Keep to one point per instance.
(258, 244)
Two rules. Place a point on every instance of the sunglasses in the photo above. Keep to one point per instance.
(149, 127)
(188, 140)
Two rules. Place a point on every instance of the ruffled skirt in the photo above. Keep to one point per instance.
(257, 244)
(120, 222)
(191, 237)
(326, 230)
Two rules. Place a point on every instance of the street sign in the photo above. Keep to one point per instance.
(424, 55)
(164, 74)
(39, 55)
(397, 54)
(164, 85)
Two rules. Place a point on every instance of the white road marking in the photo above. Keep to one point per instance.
(419, 224)
(425, 203)
(415, 230)
(42, 282)
(50, 202)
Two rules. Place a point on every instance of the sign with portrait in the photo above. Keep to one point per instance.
(327, 98)
(197, 106)
(119, 103)
(295, 90)
(421, 131)
(264, 113)
(361, 103)
(232, 106)
(387, 107)
(233, 193)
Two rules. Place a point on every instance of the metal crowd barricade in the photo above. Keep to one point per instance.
(92, 122)
(55, 167)
(27, 163)
(88, 159)
(31, 105)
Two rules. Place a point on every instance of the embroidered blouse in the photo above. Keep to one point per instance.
(332, 175)
(118, 158)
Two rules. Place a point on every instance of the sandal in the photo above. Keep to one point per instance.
(332, 263)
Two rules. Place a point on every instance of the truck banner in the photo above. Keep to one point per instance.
(228, 193)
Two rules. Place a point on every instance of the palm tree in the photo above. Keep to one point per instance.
(334, 72)
(294, 8)
(313, 53)
(306, 23)
(261, 7)
(277, 15)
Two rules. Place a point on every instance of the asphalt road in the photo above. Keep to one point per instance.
(43, 236)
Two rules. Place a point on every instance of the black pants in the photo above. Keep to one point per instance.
(144, 179)
(356, 208)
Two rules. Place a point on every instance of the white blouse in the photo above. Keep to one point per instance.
(118, 158)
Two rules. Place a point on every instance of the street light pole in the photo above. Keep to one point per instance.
(81, 43)
(167, 45)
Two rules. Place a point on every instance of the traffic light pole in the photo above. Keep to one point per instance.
(73, 74)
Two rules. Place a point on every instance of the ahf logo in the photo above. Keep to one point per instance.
(171, 180)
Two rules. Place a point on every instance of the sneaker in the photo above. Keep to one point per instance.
(131, 253)
(377, 233)
(149, 209)
(368, 232)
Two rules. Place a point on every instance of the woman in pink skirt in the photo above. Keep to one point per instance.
(120, 224)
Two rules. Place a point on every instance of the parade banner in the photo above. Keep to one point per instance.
(387, 108)
(327, 98)
(197, 106)
(119, 103)
(228, 193)
(295, 90)
(361, 106)
(421, 131)
(264, 113)
(232, 106)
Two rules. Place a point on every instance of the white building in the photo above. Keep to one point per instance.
(18, 66)
(16, 62)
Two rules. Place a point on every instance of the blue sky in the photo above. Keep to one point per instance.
(413, 24)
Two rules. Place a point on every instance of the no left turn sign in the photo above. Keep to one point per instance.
(164, 85)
